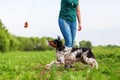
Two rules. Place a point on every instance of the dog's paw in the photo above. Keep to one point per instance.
(68, 66)
(47, 66)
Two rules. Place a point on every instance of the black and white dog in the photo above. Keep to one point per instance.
(68, 57)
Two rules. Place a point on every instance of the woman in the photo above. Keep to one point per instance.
(70, 9)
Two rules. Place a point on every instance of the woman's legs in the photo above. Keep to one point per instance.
(73, 32)
(68, 30)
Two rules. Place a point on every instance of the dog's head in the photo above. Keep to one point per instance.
(55, 43)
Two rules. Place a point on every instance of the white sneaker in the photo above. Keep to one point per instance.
(68, 48)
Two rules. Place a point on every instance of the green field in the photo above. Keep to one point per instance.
(31, 66)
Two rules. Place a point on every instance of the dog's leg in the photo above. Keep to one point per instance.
(90, 61)
(96, 64)
(48, 66)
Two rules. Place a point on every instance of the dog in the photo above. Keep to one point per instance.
(69, 57)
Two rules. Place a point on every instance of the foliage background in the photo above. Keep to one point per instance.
(9, 42)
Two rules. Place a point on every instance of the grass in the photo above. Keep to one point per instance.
(31, 66)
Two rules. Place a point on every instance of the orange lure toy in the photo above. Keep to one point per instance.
(26, 24)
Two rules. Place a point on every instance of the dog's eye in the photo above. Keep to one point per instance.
(55, 42)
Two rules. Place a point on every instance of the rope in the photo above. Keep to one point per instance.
(31, 10)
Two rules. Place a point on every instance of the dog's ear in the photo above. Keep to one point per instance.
(59, 38)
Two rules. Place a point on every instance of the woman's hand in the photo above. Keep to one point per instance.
(79, 27)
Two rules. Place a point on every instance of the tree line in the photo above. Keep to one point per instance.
(9, 42)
